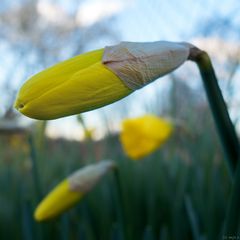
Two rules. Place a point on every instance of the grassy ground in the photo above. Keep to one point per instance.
(179, 192)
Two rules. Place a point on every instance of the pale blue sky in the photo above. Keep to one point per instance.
(144, 20)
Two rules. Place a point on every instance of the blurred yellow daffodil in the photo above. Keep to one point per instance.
(97, 78)
(71, 190)
(89, 133)
(141, 136)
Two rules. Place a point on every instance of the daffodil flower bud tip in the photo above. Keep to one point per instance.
(71, 190)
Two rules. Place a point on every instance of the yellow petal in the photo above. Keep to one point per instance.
(77, 85)
(57, 201)
(141, 136)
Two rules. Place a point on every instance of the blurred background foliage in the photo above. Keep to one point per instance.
(180, 191)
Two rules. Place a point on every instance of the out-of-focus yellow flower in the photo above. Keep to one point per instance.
(89, 133)
(141, 136)
(71, 190)
(97, 78)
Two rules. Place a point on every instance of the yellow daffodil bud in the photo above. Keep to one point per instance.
(97, 78)
(71, 190)
(141, 136)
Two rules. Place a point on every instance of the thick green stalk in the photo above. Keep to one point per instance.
(223, 122)
(231, 224)
(227, 134)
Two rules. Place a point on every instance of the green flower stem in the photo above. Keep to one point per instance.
(192, 218)
(223, 122)
(35, 173)
(233, 214)
(120, 207)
